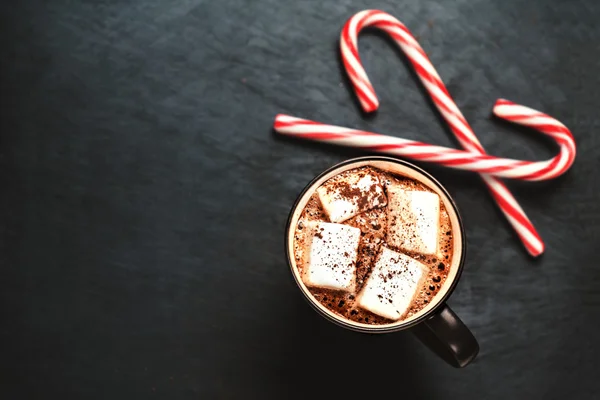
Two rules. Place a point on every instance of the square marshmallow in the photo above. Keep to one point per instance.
(343, 198)
(413, 220)
(331, 262)
(395, 280)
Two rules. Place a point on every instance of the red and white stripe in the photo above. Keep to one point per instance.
(453, 158)
(441, 98)
(474, 158)
(543, 123)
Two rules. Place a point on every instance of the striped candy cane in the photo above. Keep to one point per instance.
(441, 98)
(453, 158)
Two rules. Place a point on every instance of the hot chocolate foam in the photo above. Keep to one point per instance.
(373, 226)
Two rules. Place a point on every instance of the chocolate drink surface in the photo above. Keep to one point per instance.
(369, 210)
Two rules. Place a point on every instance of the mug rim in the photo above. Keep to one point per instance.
(376, 328)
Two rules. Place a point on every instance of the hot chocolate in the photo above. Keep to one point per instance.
(373, 247)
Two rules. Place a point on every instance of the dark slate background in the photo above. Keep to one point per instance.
(144, 198)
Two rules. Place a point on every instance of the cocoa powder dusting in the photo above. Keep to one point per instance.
(372, 225)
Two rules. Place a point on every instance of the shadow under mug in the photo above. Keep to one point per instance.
(435, 325)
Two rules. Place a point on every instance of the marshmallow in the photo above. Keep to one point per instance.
(345, 196)
(331, 262)
(413, 220)
(393, 284)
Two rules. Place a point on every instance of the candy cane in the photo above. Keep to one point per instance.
(441, 98)
(453, 158)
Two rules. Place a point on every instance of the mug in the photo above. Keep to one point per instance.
(436, 325)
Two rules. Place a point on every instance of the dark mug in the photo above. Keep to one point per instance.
(435, 325)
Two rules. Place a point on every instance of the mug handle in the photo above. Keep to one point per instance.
(447, 336)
